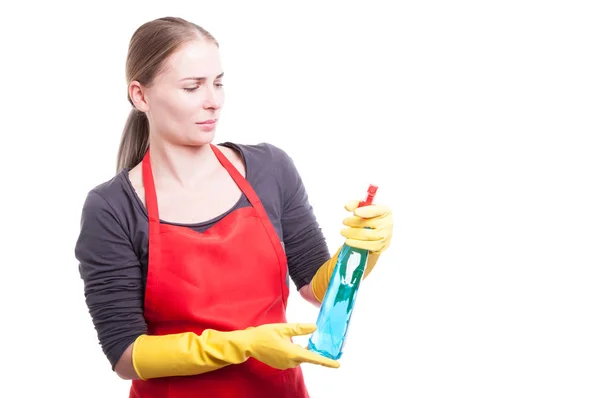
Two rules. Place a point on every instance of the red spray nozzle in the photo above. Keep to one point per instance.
(370, 196)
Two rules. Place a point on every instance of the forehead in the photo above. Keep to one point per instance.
(196, 58)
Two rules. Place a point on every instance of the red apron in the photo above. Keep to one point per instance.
(229, 277)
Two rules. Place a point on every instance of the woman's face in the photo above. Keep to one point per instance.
(184, 101)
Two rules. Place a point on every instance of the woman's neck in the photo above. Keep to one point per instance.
(177, 166)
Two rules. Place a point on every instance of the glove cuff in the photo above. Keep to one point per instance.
(187, 354)
(320, 282)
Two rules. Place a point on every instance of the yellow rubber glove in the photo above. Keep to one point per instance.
(376, 239)
(369, 228)
(187, 354)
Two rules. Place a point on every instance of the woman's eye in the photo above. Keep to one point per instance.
(191, 88)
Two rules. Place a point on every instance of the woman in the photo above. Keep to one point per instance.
(186, 254)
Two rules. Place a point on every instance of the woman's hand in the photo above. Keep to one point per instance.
(370, 227)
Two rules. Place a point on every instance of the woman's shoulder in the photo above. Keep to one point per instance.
(263, 153)
(112, 199)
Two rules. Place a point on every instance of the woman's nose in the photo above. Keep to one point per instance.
(212, 100)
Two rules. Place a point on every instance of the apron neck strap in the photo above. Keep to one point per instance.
(150, 188)
(241, 182)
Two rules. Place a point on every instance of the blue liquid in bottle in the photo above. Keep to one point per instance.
(336, 309)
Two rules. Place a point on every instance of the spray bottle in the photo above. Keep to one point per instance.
(336, 309)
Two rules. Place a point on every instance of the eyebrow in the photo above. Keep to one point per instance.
(201, 78)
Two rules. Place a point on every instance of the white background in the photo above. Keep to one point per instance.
(479, 121)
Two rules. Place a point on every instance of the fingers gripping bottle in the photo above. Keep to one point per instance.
(336, 309)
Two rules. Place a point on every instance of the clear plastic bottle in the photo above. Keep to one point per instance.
(336, 309)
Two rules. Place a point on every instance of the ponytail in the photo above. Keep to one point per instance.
(134, 141)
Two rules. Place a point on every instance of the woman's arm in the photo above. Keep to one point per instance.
(307, 294)
(124, 367)
(305, 244)
(112, 279)
(309, 261)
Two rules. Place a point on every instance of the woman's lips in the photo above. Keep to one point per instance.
(207, 125)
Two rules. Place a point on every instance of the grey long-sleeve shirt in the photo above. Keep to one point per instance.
(112, 248)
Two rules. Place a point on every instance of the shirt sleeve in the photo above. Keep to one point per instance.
(305, 244)
(112, 277)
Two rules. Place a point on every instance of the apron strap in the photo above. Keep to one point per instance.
(149, 190)
(247, 189)
(241, 182)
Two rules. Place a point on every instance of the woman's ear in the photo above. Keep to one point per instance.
(137, 96)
